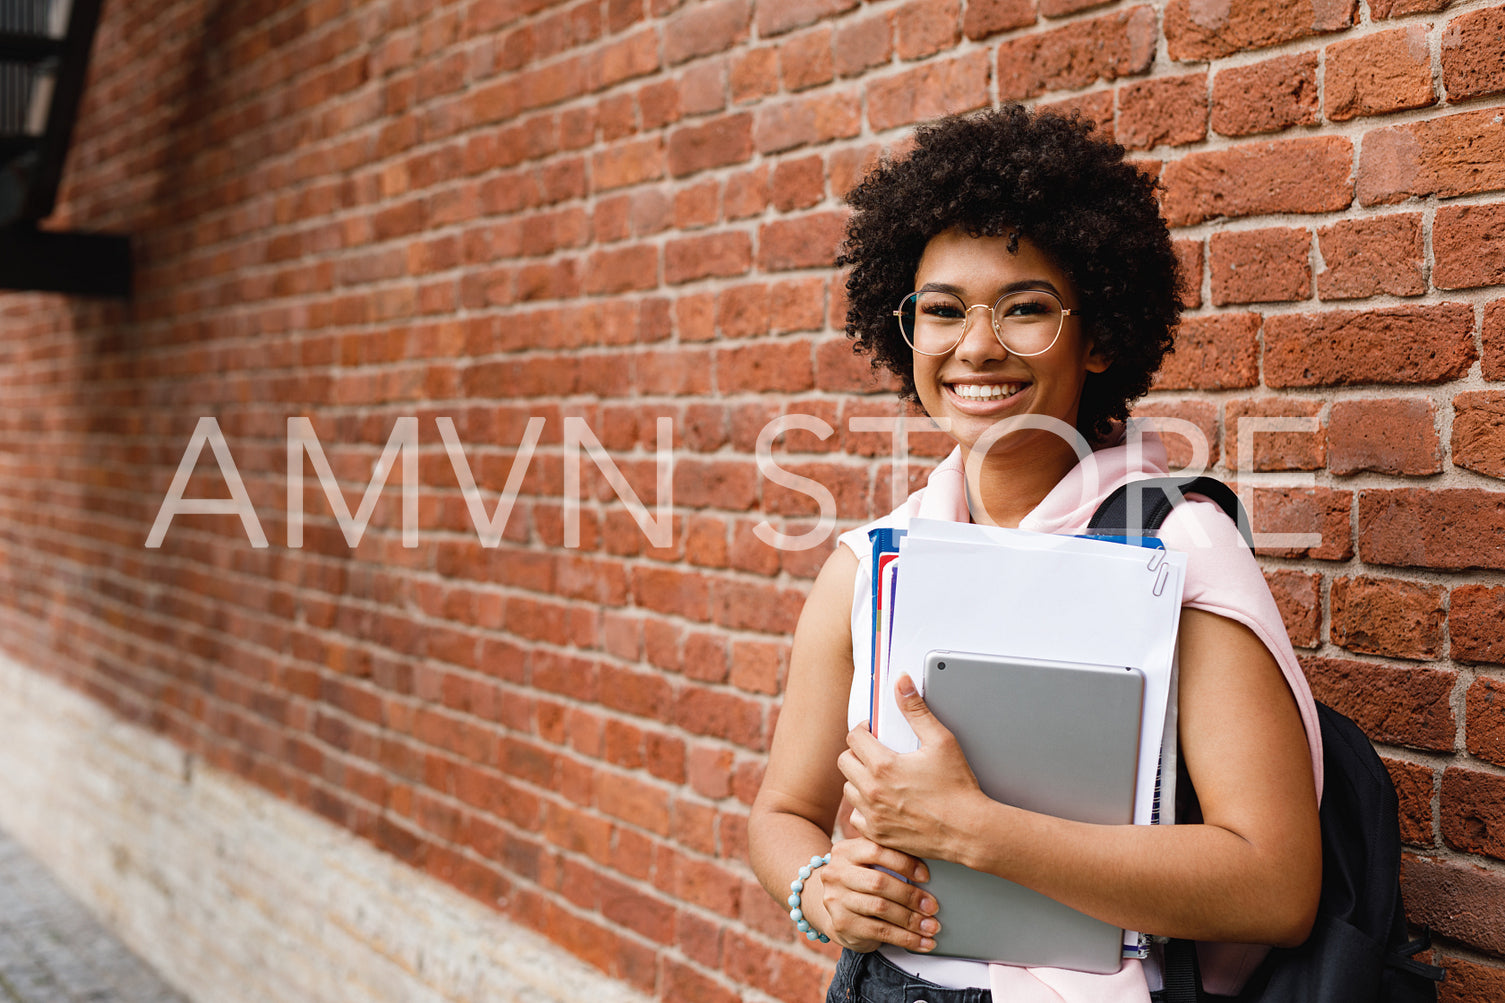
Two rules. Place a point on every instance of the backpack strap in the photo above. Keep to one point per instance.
(1180, 972)
(1156, 498)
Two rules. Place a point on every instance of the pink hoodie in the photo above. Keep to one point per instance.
(1222, 577)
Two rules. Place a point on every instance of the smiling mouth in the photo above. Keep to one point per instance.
(985, 391)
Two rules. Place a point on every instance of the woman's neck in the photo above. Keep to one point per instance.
(1006, 488)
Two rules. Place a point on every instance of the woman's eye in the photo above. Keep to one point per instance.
(1026, 308)
(943, 311)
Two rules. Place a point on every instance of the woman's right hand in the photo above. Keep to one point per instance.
(866, 907)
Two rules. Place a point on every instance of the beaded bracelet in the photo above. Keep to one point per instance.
(798, 885)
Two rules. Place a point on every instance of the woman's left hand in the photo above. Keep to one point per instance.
(917, 802)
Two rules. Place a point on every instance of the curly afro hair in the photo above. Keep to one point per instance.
(1043, 178)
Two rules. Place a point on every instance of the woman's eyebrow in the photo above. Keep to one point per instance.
(1022, 285)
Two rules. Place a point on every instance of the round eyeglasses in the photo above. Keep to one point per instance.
(1026, 323)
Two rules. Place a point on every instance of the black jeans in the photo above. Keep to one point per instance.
(870, 978)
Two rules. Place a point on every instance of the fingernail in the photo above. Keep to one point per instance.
(922, 874)
(927, 904)
(929, 926)
(926, 944)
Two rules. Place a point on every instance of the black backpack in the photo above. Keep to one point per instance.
(1359, 950)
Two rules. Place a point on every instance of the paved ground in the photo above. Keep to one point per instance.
(53, 950)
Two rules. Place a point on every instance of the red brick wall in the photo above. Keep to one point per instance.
(624, 209)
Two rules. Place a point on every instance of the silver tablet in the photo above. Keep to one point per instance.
(1060, 738)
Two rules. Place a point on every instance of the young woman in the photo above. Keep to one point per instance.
(1014, 265)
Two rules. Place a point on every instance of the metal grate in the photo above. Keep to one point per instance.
(44, 56)
(26, 85)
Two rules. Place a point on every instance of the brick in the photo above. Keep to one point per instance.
(863, 43)
(1476, 624)
(1368, 257)
(666, 590)
(710, 771)
(796, 304)
(1396, 706)
(806, 59)
(695, 317)
(1468, 246)
(707, 482)
(1493, 338)
(1298, 594)
(736, 719)
(930, 90)
(1378, 74)
(839, 368)
(1260, 266)
(703, 87)
(989, 17)
(1470, 981)
(1479, 432)
(1216, 352)
(804, 242)
(616, 117)
(798, 184)
(1420, 344)
(1460, 154)
(1485, 703)
(628, 164)
(924, 27)
(620, 269)
(1182, 444)
(697, 205)
(1387, 616)
(1473, 811)
(701, 29)
(745, 193)
(777, 365)
(1453, 528)
(1293, 175)
(1189, 261)
(1060, 8)
(774, 17)
(1414, 785)
(717, 143)
(1471, 47)
(634, 55)
(658, 103)
(1385, 435)
(759, 666)
(1096, 108)
(754, 74)
(1270, 96)
(651, 211)
(767, 608)
(1120, 44)
(1200, 31)
(1165, 111)
(1387, 9)
(742, 311)
(720, 254)
(1274, 449)
(811, 118)
(1314, 512)
(1458, 900)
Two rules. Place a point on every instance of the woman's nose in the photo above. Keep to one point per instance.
(979, 340)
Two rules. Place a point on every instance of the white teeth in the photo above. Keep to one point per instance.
(977, 392)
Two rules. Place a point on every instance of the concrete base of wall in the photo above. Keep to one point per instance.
(236, 896)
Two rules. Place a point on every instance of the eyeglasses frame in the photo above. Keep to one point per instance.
(992, 322)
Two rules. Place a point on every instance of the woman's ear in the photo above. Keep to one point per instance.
(1097, 362)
